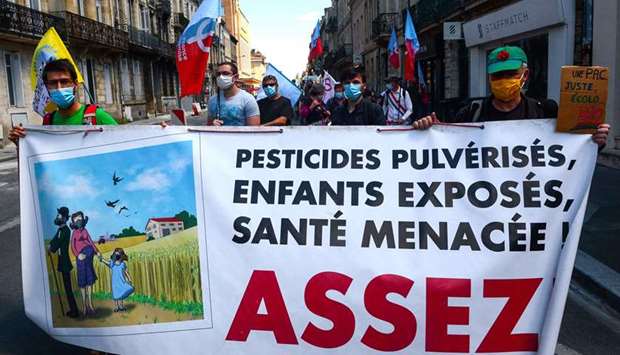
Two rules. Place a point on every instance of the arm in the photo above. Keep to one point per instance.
(55, 243)
(74, 243)
(252, 113)
(90, 242)
(104, 118)
(280, 121)
(16, 133)
(126, 273)
(408, 106)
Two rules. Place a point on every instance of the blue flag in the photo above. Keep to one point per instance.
(286, 87)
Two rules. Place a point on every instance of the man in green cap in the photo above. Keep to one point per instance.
(508, 73)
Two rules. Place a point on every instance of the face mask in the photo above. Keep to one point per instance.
(389, 86)
(339, 95)
(225, 82)
(353, 91)
(270, 90)
(506, 89)
(63, 97)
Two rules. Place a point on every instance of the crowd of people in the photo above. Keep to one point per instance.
(352, 105)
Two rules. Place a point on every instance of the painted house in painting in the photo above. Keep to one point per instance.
(162, 227)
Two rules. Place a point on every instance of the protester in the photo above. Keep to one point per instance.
(358, 111)
(60, 79)
(508, 72)
(338, 99)
(275, 109)
(232, 106)
(312, 110)
(397, 105)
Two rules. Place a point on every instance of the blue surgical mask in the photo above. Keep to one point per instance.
(63, 97)
(353, 91)
(389, 86)
(270, 90)
(339, 95)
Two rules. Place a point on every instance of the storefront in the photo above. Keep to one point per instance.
(544, 29)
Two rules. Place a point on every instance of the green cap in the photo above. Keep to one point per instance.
(505, 58)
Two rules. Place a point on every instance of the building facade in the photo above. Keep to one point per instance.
(125, 50)
(553, 34)
(162, 227)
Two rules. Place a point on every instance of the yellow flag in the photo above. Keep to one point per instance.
(50, 48)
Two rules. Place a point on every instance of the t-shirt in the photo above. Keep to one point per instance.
(528, 108)
(366, 113)
(235, 109)
(77, 119)
(272, 109)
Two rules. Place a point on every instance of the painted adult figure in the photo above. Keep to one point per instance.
(60, 245)
(84, 250)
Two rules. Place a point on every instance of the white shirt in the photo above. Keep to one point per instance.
(397, 106)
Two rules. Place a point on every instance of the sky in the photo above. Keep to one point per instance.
(158, 181)
(281, 30)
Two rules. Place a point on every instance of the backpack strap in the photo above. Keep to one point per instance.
(90, 115)
(48, 119)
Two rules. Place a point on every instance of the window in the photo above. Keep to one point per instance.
(130, 17)
(35, 5)
(87, 68)
(98, 10)
(14, 79)
(126, 79)
(80, 6)
(107, 81)
(145, 21)
(137, 79)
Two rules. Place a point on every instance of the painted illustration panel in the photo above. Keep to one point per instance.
(119, 231)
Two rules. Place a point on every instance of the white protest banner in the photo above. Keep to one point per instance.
(329, 83)
(451, 240)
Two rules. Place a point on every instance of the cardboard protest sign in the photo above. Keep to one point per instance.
(305, 240)
(583, 99)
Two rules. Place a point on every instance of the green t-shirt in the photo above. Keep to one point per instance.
(103, 118)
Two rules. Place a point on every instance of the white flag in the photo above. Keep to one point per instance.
(329, 83)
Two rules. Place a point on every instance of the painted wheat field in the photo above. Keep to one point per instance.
(165, 274)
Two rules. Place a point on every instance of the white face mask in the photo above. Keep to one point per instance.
(225, 82)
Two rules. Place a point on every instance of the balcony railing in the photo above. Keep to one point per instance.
(383, 24)
(332, 25)
(180, 20)
(95, 32)
(149, 42)
(427, 12)
(25, 22)
(344, 53)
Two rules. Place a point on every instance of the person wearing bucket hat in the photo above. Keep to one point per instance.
(507, 69)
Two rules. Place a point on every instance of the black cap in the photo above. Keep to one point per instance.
(63, 211)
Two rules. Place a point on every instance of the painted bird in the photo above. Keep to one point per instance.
(112, 204)
(123, 209)
(116, 179)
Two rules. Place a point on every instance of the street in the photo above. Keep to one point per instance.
(589, 326)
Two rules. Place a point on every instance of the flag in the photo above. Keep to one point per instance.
(393, 51)
(194, 46)
(421, 79)
(286, 87)
(413, 46)
(50, 48)
(329, 84)
(316, 44)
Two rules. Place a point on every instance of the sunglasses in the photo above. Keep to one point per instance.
(270, 84)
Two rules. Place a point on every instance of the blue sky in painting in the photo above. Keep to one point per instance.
(158, 181)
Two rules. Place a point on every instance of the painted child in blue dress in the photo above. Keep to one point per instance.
(121, 281)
